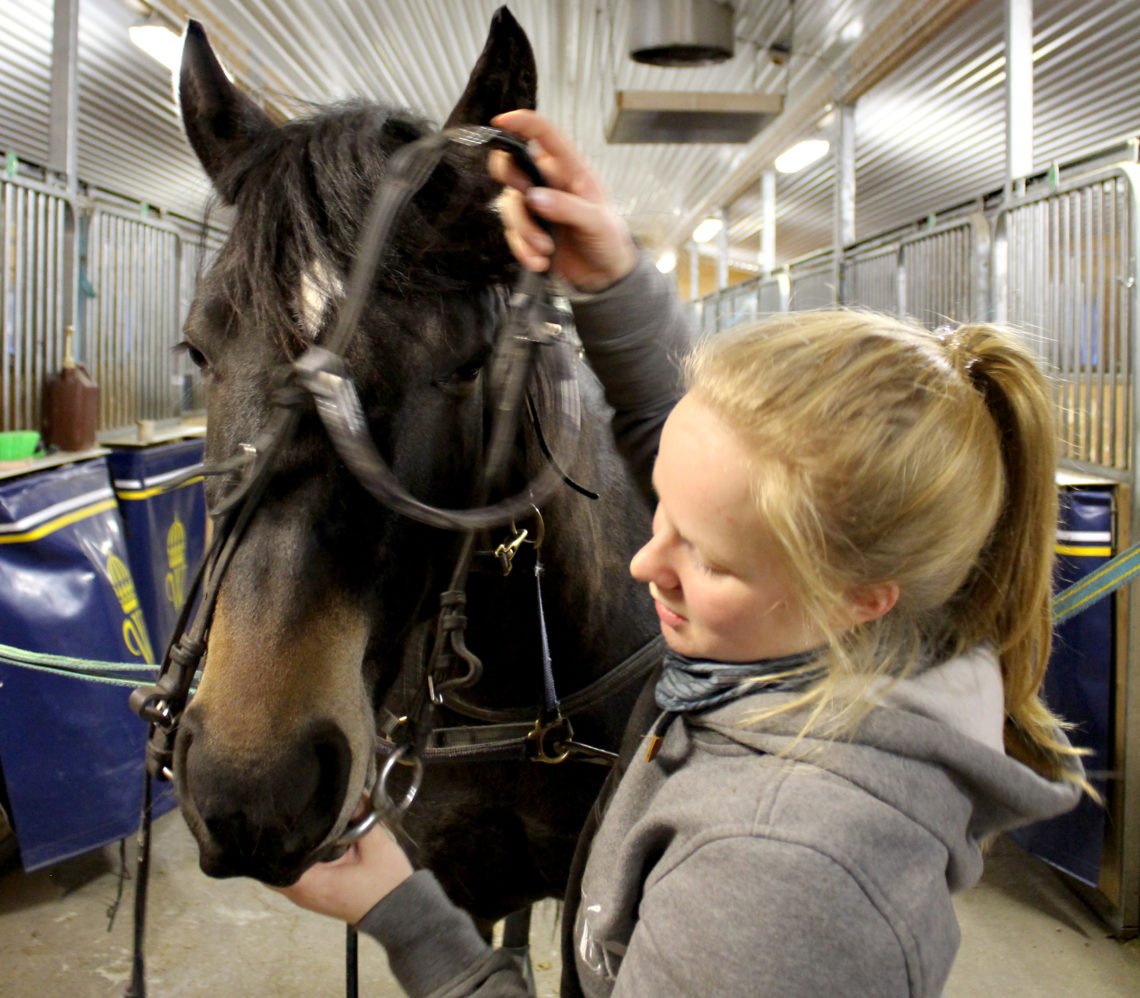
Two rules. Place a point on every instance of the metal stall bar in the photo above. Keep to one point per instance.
(871, 278)
(744, 302)
(1062, 273)
(1067, 269)
(812, 282)
(738, 304)
(37, 266)
(134, 266)
(1124, 275)
(774, 293)
(945, 273)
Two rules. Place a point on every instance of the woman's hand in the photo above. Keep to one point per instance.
(348, 888)
(594, 247)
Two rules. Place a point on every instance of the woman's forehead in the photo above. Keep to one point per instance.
(703, 468)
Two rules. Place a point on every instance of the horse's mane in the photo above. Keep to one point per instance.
(302, 191)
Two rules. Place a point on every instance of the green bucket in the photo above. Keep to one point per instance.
(15, 445)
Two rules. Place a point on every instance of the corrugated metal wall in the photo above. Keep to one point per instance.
(928, 135)
(131, 140)
(25, 77)
(932, 133)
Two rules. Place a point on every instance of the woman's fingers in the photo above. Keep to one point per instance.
(522, 230)
(535, 128)
(528, 257)
(554, 154)
(502, 168)
(562, 208)
(594, 248)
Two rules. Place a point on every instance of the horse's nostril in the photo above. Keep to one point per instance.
(269, 812)
(315, 777)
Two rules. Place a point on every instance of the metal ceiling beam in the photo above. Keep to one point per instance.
(63, 125)
(1018, 92)
(905, 30)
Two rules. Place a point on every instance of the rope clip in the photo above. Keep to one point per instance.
(506, 551)
(549, 742)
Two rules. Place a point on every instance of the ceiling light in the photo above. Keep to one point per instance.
(852, 31)
(667, 262)
(159, 42)
(801, 154)
(707, 229)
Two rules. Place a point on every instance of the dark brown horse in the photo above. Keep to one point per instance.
(318, 622)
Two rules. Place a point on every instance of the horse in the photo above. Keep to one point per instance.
(317, 633)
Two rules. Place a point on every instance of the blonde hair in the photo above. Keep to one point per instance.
(886, 453)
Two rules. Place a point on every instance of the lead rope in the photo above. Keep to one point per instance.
(137, 986)
(550, 704)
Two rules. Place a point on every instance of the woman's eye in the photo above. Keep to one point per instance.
(706, 567)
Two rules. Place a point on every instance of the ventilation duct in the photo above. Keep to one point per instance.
(687, 116)
(680, 32)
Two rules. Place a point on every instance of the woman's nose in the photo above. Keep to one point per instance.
(651, 564)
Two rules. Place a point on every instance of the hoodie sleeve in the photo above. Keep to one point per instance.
(434, 948)
(636, 333)
(743, 916)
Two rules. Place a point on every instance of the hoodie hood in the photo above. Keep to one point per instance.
(949, 717)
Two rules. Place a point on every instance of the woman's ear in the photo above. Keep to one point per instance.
(871, 602)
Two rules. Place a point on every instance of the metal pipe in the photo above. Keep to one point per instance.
(843, 210)
(63, 127)
(694, 270)
(722, 251)
(768, 224)
(1018, 92)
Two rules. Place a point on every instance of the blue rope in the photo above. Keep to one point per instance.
(1095, 586)
(127, 674)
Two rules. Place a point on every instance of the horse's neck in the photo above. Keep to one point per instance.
(595, 614)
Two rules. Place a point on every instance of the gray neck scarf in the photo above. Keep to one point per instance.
(687, 685)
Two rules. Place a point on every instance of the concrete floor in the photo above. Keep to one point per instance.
(1023, 933)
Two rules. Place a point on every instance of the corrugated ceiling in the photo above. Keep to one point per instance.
(930, 134)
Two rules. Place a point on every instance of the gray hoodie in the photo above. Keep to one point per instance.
(742, 860)
(718, 862)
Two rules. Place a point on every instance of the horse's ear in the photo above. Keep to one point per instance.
(221, 121)
(503, 79)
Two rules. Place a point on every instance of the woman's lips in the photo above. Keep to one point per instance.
(669, 618)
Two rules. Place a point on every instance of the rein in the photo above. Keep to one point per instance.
(529, 336)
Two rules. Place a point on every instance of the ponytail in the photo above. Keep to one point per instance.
(1007, 597)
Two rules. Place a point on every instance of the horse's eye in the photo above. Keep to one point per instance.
(469, 371)
(466, 374)
(197, 358)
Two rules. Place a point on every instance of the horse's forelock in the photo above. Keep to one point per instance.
(303, 192)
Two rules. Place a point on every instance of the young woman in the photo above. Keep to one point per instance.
(851, 561)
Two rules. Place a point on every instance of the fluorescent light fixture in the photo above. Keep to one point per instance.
(667, 262)
(852, 31)
(159, 42)
(707, 229)
(801, 154)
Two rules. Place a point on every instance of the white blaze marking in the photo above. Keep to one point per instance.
(319, 286)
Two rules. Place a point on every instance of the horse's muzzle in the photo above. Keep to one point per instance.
(262, 817)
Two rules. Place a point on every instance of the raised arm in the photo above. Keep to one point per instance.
(632, 325)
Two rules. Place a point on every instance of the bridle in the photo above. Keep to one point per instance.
(529, 337)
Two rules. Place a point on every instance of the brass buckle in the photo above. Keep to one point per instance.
(506, 551)
(550, 743)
